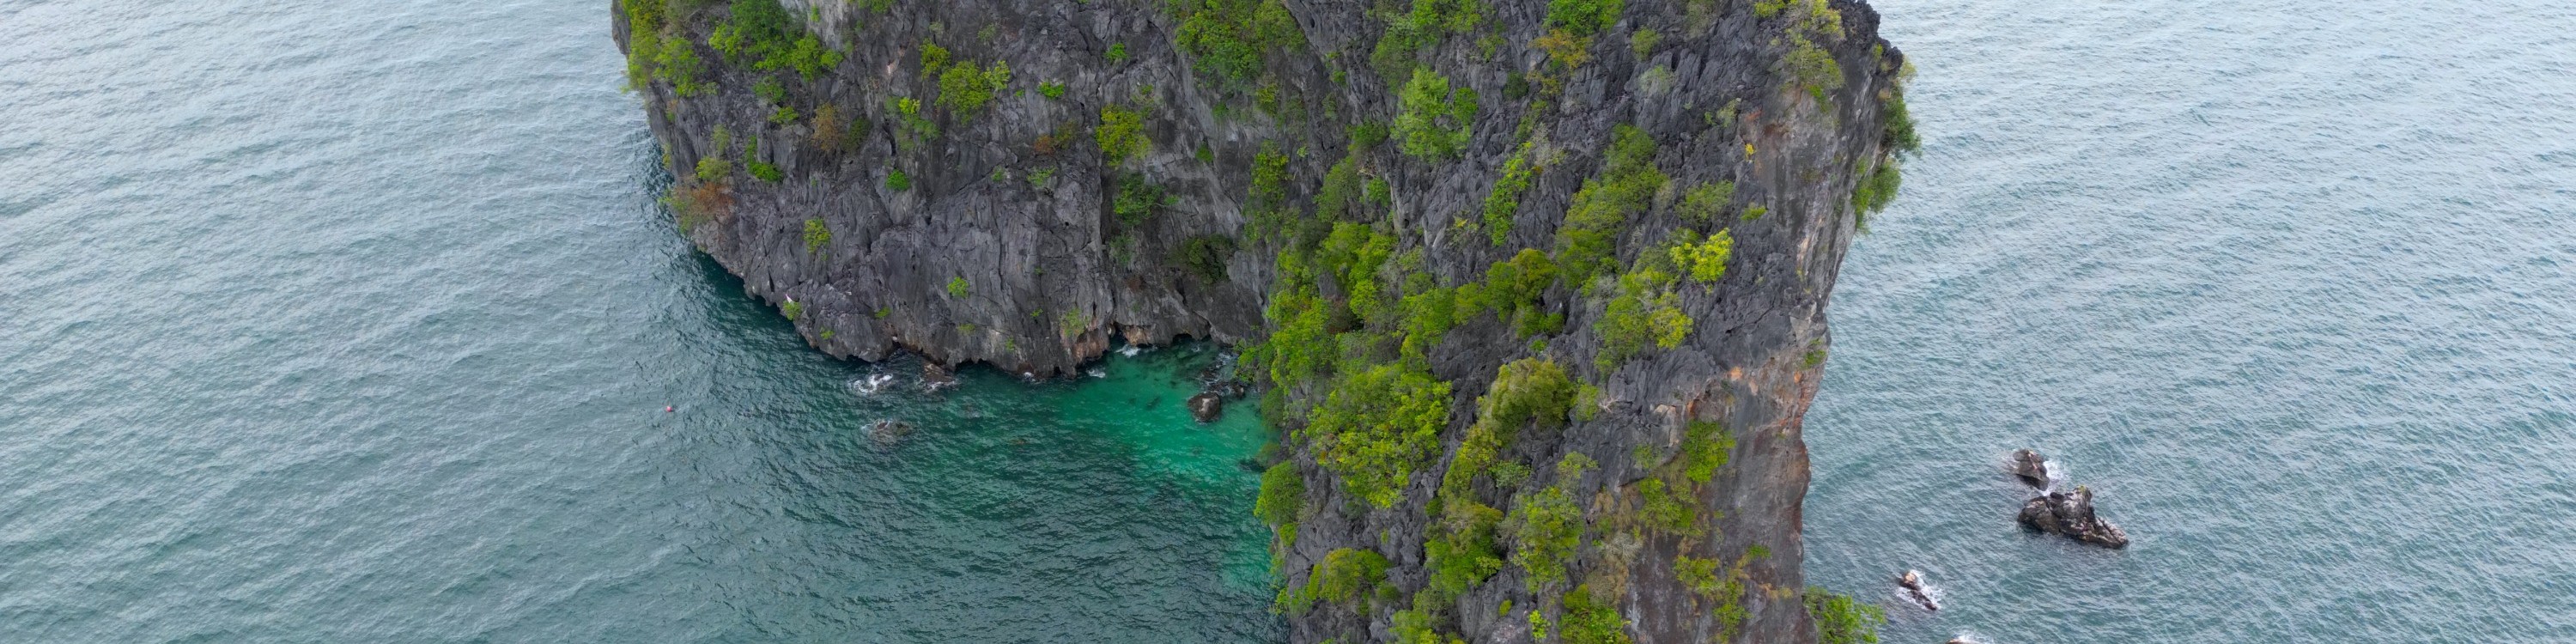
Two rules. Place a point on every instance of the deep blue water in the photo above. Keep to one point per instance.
(2290, 284)
(354, 322)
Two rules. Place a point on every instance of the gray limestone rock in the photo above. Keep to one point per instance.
(1004, 243)
(2070, 514)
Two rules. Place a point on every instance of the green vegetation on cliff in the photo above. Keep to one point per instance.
(1385, 222)
(1601, 210)
(1229, 39)
(965, 87)
(655, 52)
(1345, 575)
(759, 34)
(1121, 134)
(1505, 200)
(1422, 28)
(1841, 619)
(1434, 119)
(1377, 427)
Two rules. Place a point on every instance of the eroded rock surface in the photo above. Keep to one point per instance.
(1558, 269)
(2031, 467)
(2070, 514)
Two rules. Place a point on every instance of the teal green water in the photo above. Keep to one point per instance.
(2291, 284)
(354, 322)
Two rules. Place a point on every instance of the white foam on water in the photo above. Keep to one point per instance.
(870, 385)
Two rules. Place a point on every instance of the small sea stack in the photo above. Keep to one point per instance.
(2070, 514)
(2031, 467)
(1912, 582)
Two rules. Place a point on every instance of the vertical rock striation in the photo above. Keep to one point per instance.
(1536, 290)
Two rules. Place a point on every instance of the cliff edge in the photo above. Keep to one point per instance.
(1535, 292)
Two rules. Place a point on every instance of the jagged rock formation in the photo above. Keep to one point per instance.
(2070, 514)
(2031, 467)
(1534, 291)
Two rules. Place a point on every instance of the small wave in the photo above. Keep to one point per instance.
(1131, 351)
(1098, 373)
(1921, 592)
(869, 386)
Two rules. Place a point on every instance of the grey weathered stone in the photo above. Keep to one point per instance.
(2031, 467)
(1050, 275)
(2070, 514)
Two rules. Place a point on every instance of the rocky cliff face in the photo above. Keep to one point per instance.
(1535, 290)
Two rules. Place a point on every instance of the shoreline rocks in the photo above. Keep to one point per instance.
(2070, 514)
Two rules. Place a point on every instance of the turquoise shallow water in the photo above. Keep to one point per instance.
(2289, 283)
(334, 322)
(354, 322)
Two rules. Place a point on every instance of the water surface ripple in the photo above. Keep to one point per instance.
(341, 322)
(355, 322)
(2288, 283)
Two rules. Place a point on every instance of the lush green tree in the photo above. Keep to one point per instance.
(1590, 621)
(816, 235)
(1433, 120)
(1377, 427)
(1505, 200)
(1583, 17)
(1703, 260)
(1841, 619)
(1347, 573)
(1229, 38)
(1121, 134)
(1283, 492)
(966, 87)
(1600, 211)
(1546, 527)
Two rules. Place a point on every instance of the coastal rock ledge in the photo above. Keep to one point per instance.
(1533, 293)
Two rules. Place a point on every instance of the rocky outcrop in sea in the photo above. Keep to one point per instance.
(1536, 292)
(2070, 514)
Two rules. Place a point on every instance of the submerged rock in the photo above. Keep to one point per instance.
(935, 377)
(2031, 467)
(889, 432)
(2070, 514)
(1207, 406)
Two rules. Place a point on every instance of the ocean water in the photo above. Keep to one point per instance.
(355, 322)
(2290, 284)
